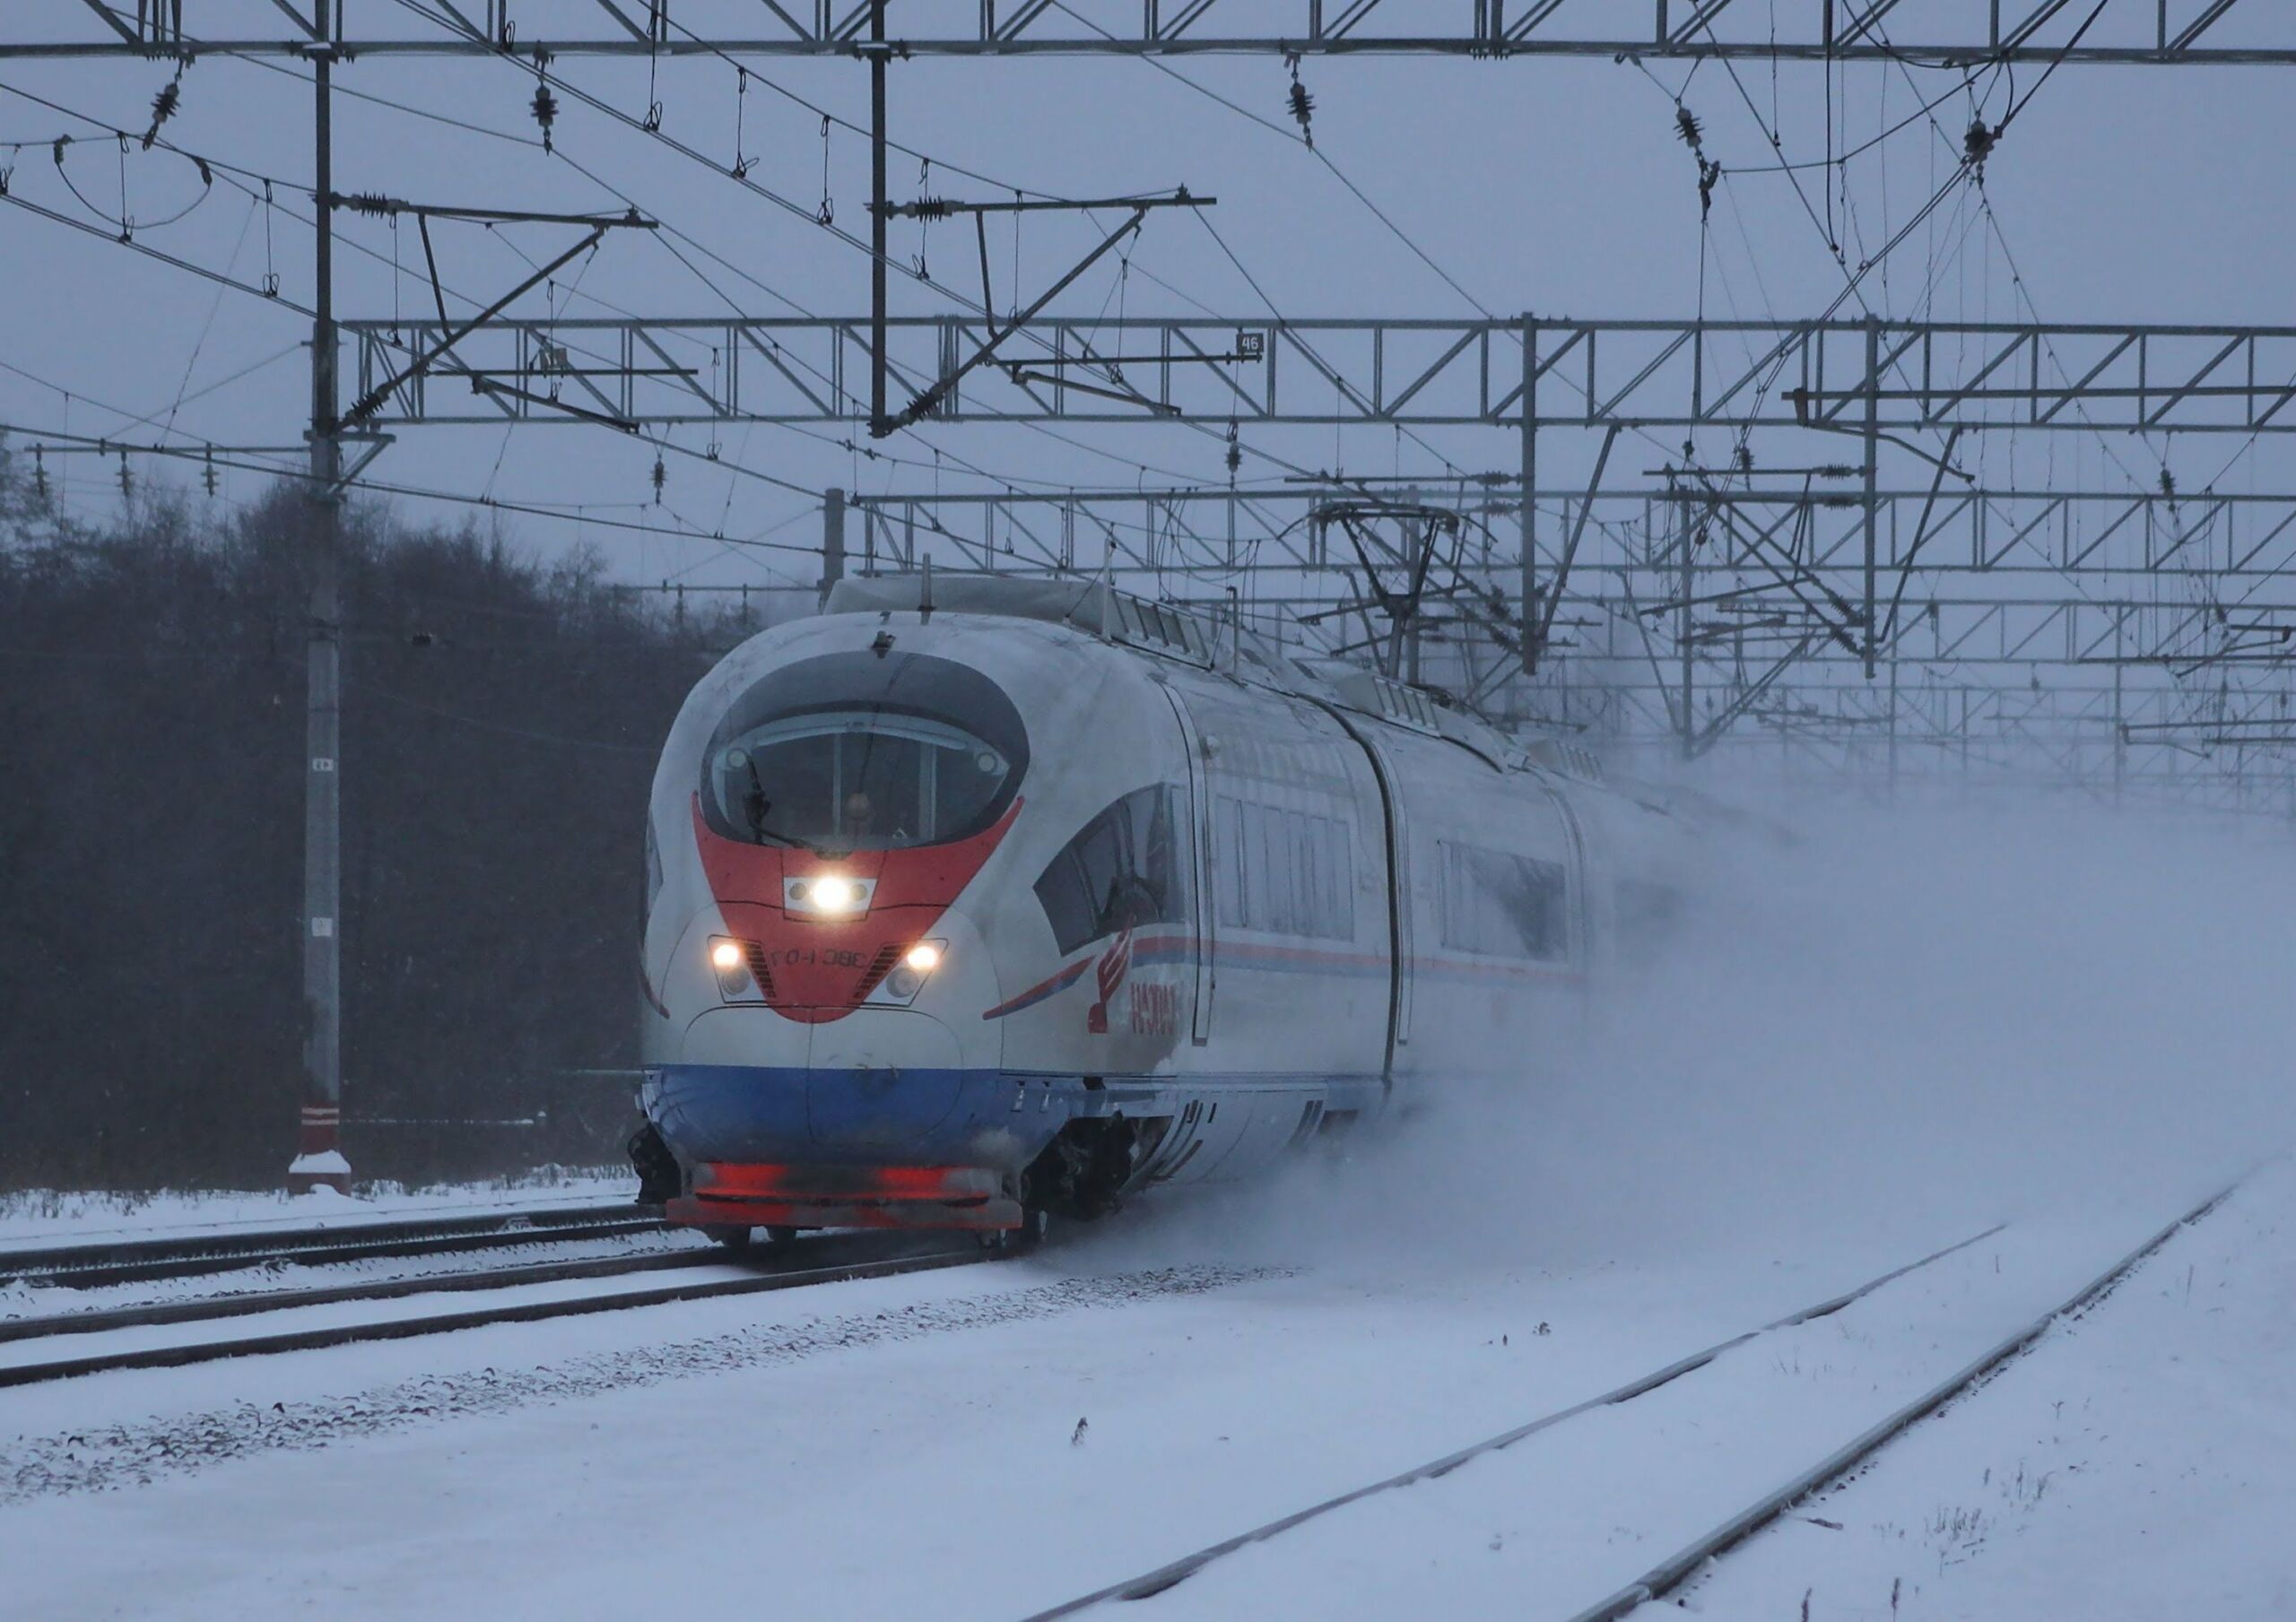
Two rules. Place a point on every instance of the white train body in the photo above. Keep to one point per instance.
(961, 911)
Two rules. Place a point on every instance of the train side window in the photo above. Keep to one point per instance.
(1310, 913)
(1122, 870)
(1275, 871)
(1284, 873)
(1227, 861)
(1335, 870)
(1501, 905)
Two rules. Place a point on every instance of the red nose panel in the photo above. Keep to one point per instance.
(821, 969)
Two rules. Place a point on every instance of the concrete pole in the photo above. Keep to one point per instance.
(318, 1161)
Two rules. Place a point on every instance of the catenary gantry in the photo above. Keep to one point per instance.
(1954, 31)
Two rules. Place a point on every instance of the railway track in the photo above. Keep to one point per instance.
(822, 1258)
(1666, 1575)
(147, 1260)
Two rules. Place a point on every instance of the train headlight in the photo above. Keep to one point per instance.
(915, 968)
(731, 965)
(828, 895)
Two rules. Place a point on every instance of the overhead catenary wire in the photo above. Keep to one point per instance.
(270, 182)
(600, 105)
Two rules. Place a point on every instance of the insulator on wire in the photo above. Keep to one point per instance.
(1235, 457)
(127, 477)
(1687, 127)
(39, 475)
(372, 203)
(930, 208)
(661, 477)
(163, 107)
(545, 106)
(1978, 142)
(207, 474)
(827, 211)
(1302, 105)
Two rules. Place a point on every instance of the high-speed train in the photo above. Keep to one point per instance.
(974, 900)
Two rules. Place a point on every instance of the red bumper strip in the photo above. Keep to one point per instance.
(701, 1211)
(720, 1180)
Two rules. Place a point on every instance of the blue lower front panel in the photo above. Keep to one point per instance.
(769, 1116)
(773, 1116)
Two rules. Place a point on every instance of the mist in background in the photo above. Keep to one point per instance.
(1915, 1022)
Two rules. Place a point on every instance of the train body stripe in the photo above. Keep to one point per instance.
(1274, 957)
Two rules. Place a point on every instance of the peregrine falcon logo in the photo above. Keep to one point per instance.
(1108, 974)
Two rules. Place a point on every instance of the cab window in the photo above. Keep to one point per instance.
(1123, 869)
(854, 751)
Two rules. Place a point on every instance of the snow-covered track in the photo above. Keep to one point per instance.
(183, 1256)
(1150, 1584)
(824, 1259)
(204, 1308)
(1669, 1573)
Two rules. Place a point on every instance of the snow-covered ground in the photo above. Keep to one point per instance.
(1885, 1043)
(989, 1441)
(2139, 1463)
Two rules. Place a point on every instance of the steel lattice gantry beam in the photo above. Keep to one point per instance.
(1727, 615)
(2129, 31)
(2235, 539)
(1972, 577)
(1528, 372)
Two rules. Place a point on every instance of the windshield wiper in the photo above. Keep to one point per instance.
(754, 807)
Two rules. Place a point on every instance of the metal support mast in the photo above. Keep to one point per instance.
(833, 541)
(880, 218)
(319, 1159)
(1527, 524)
(1871, 470)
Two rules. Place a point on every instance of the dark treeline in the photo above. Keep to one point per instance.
(500, 718)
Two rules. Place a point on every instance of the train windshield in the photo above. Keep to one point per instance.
(857, 753)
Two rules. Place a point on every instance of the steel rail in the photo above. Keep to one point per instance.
(518, 1312)
(206, 1307)
(136, 1260)
(1669, 1573)
(1156, 1582)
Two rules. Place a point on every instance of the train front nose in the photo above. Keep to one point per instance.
(873, 1122)
(876, 1084)
(881, 1081)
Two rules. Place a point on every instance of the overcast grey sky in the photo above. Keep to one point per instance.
(1556, 186)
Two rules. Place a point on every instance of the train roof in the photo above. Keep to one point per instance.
(1166, 630)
